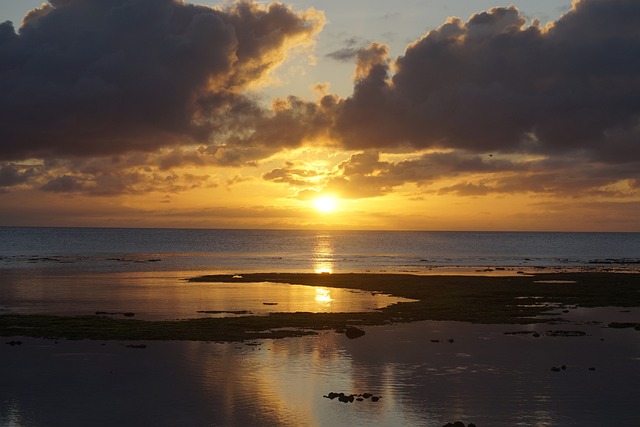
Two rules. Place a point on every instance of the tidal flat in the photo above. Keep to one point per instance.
(544, 350)
(520, 299)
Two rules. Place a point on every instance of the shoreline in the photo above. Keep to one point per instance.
(508, 299)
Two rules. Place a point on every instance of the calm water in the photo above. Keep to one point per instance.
(98, 249)
(484, 376)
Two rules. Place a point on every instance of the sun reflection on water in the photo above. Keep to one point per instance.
(323, 296)
(323, 254)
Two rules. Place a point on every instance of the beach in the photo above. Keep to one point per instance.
(524, 349)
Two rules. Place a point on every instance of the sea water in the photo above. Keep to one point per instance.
(425, 373)
(108, 249)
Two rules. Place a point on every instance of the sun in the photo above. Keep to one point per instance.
(325, 204)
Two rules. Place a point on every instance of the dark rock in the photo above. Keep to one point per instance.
(623, 325)
(346, 399)
(563, 367)
(451, 340)
(128, 314)
(555, 369)
(141, 346)
(353, 333)
(566, 333)
(592, 369)
(375, 398)
(367, 395)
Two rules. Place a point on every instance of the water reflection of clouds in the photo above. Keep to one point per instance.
(323, 252)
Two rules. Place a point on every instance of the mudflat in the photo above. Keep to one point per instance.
(519, 299)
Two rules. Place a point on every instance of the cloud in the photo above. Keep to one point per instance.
(371, 174)
(496, 83)
(566, 95)
(12, 175)
(349, 50)
(92, 77)
(499, 104)
(132, 175)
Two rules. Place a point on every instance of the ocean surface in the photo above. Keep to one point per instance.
(424, 373)
(112, 250)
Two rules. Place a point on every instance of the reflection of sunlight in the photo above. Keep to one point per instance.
(323, 254)
(323, 296)
(323, 267)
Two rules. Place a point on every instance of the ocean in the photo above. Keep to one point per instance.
(425, 373)
(117, 249)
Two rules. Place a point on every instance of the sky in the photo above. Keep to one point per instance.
(366, 114)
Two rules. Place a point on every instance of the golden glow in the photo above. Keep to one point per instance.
(325, 204)
(323, 255)
(323, 296)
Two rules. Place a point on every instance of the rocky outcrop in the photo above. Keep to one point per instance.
(353, 332)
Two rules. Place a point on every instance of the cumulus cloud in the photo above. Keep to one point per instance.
(95, 77)
(163, 83)
(497, 83)
(566, 95)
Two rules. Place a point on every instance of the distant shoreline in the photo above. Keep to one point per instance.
(522, 299)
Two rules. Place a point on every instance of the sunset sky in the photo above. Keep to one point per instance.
(413, 114)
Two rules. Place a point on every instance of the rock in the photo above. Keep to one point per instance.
(353, 332)
(128, 314)
(375, 398)
(346, 399)
(140, 346)
(367, 395)
(555, 369)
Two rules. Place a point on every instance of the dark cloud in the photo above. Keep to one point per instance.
(114, 176)
(344, 54)
(12, 175)
(92, 77)
(348, 50)
(64, 184)
(366, 174)
(495, 83)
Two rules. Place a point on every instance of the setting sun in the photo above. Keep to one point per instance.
(325, 204)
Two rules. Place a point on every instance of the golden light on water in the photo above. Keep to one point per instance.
(323, 254)
(323, 296)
